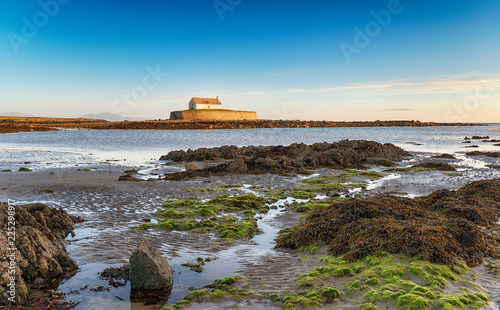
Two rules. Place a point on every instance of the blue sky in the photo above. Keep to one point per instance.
(333, 60)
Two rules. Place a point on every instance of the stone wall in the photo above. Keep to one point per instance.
(221, 115)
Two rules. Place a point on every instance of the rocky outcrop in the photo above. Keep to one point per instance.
(38, 247)
(444, 227)
(296, 158)
(149, 270)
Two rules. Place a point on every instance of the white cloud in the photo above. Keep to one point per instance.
(451, 84)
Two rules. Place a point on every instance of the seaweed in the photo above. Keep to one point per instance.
(445, 156)
(435, 166)
(487, 154)
(441, 228)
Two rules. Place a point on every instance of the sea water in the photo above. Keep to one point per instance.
(135, 147)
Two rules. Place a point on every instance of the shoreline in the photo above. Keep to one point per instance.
(10, 125)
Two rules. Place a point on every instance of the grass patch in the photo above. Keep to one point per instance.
(46, 190)
(24, 169)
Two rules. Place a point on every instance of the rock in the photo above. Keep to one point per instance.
(287, 159)
(39, 247)
(191, 166)
(149, 270)
(479, 137)
(127, 178)
(380, 162)
(436, 166)
(237, 166)
(445, 156)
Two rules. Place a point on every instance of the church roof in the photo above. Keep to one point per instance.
(210, 101)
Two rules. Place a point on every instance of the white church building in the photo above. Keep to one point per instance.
(204, 103)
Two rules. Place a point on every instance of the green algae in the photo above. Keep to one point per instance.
(211, 216)
(46, 190)
(203, 190)
(311, 298)
(217, 293)
(228, 280)
(195, 266)
(303, 195)
(197, 294)
(454, 174)
(396, 192)
(230, 186)
(407, 283)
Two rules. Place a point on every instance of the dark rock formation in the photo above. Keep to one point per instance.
(436, 166)
(443, 227)
(39, 246)
(296, 158)
(445, 156)
(149, 270)
(487, 154)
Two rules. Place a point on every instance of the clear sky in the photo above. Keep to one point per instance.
(314, 60)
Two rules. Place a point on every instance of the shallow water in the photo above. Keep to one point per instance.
(138, 147)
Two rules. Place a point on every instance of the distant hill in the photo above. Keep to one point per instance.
(16, 114)
(108, 116)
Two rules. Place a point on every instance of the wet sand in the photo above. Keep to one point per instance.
(111, 209)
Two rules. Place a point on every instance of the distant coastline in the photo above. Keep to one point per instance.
(19, 124)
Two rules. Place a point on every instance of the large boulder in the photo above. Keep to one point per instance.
(149, 270)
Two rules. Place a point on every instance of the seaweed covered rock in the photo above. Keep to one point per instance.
(487, 154)
(38, 248)
(445, 156)
(436, 166)
(295, 158)
(484, 188)
(127, 178)
(443, 227)
(483, 212)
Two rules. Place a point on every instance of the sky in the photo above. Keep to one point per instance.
(341, 60)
